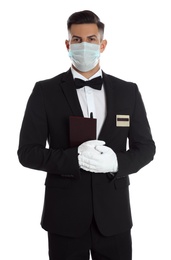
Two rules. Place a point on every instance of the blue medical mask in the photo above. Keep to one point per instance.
(85, 56)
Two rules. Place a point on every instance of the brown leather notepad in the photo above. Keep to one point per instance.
(81, 129)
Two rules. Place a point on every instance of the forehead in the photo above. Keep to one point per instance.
(83, 30)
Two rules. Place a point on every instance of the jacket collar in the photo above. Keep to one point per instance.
(111, 104)
(70, 93)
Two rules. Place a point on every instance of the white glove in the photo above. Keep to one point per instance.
(98, 159)
(89, 146)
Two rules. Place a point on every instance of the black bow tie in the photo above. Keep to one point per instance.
(95, 83)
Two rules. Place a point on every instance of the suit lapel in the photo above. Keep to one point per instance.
(111, 104)
(70, 93)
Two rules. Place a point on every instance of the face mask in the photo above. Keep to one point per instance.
(85, 56)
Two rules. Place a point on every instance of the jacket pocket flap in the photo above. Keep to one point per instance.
(53, 180)
(121, 183)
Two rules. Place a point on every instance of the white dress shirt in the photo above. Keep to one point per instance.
(92, 100)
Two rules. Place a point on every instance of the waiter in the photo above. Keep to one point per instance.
(86, 206)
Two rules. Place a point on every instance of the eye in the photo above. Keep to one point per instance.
(76, 40)
(92, 39)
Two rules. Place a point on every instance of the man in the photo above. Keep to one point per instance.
(86, 207)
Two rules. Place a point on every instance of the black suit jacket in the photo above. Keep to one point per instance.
(73, 196)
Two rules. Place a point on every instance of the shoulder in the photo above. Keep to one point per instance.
(115, 81)
(125, 90)
(52, 85)
(51, 81)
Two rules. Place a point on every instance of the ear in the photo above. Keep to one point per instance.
(103, 45)
(67, 44)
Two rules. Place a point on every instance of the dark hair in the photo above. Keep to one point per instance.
(85, 16)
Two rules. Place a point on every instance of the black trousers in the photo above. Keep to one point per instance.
(118, 247)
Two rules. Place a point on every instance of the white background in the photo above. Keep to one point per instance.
(32, 48)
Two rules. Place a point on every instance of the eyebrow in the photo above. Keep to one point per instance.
(93, 35)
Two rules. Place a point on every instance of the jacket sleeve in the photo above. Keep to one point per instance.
(141, 145)
(32, 151)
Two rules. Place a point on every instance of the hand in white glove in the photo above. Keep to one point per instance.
(89, 146)
(98, 159)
